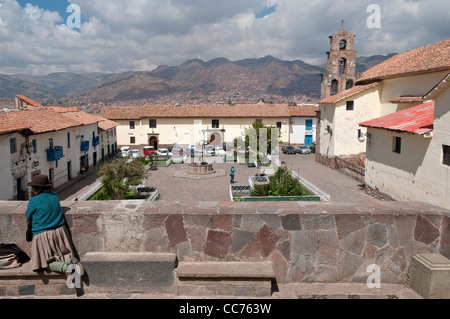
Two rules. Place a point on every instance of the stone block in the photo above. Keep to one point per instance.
(129, 272)
(218, 244)
(429, 275)
(291, 222)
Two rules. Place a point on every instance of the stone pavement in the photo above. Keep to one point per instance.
(340, 187)
(284, 291)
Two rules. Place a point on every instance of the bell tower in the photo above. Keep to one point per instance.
(341, 64)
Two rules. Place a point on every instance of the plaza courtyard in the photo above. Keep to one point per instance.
(174, 185)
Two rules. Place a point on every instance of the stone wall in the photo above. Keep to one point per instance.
(306, 242)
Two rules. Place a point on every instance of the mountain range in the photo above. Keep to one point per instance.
(194, 81)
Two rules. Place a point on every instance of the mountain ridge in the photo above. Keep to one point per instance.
(193, 81)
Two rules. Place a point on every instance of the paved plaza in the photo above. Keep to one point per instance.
(173, 184)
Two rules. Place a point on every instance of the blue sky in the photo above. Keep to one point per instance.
(52, 5)
(122, 35)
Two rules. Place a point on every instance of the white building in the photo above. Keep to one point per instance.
(60, 144)
(396, 84)
(408, 152)
(303, 122)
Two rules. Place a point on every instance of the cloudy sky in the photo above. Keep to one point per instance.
(41, 36)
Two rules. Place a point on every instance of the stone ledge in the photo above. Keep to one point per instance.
(129, 272)
(238, 279)
(221, 270)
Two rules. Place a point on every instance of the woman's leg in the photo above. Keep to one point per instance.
(59, 266)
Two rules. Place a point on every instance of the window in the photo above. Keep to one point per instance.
(152, 123)
(334, 87)
(350, 105)
(132, 140)
(342, 65)
(13, 145)
(259, 121)
(131, 125)
(215, 124)
(279, 125)
(396, 144)
(349, 84)
(446, 156)
(68, 139)
(342, 44)
(34, 143)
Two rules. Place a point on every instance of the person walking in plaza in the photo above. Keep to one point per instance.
(51, 243)
(232, 173)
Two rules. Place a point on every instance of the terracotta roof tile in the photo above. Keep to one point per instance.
(418, 120)
(433, 57)
(35, 121)
(196, 111)
(408, 99)
(303, 110)
(29, 101)
(107, 125)
(347, 93)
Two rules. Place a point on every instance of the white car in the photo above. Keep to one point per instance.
(124, 151)
(135, 154)
(163, 152)
(220, 151)
(209, 151)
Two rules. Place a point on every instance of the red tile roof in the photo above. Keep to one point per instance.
(196, 111)
(107, 125)
(29, 101)
(408, 99)
(35, 121)
(418, 120)
(303, 110)
(430, 58)
(347, 93)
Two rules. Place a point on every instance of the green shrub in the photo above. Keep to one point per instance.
(281, 184)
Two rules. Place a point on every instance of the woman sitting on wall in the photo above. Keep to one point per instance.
(51, 244)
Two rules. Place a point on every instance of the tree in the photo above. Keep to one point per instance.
(118, 176)
(259, 129)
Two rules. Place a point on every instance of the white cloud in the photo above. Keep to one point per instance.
(119, 35)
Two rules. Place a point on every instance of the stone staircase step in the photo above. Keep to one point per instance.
(243, 279)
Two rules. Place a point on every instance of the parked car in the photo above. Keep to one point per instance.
(135, 154)
(220, 151)
(164, 152)
(148, 150)
(303, 149)
(289, 150)
(210, 151)
(124, 151)
(312, 147)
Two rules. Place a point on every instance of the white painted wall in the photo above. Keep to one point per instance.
(345, 124)
(186, 131)
(419, 85)
(11, 165)
(298, 129)
(418, 172)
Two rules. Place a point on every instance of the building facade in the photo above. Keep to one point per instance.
(60, 144)
(164, 125)
(408, 152)
(394, 85)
